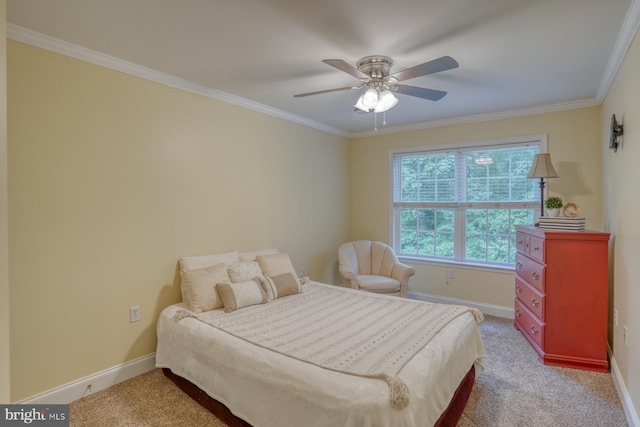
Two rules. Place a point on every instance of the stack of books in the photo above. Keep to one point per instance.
(561, 223)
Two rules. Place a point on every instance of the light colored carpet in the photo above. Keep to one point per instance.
(148, 400)
(514, 390)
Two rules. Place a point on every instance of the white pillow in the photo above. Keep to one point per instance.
(199, 286)
(251, 256)
(239, 295)
(243, 271)
(196, 262)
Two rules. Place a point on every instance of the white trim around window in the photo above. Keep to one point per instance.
(458, 258)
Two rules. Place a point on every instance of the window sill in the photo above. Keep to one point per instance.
(463, 265)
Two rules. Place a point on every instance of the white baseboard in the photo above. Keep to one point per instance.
(490, 309)
(623, 393)
(69, 392)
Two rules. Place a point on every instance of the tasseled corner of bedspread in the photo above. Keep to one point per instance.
(399, 393)
(477, 314)
(181, 314)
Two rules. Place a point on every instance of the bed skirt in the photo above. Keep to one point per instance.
(449, 417)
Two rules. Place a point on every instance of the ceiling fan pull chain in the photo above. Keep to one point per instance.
(384, 118)
(375, 122)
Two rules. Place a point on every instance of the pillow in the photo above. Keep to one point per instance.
(196, 262)
(243, 271)
(199, 286)
(275, 264)
(251, 256)
(282, 285)
(239, 295)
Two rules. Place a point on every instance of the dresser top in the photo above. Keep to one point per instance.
(563, 234)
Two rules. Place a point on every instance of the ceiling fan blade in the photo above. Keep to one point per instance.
(346, 67)
(338, 89)
(420, 92)
(441, 64)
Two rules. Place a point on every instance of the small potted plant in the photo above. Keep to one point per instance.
(553, 205)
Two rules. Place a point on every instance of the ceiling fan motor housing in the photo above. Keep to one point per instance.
(377, 67)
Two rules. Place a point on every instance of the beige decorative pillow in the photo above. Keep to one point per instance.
(200, 287)
(275, 264)
(202, 261)
(239, 295)
(243, 271)
(282, 285)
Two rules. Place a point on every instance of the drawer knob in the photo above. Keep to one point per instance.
(534, 302)
(519, 265)
(518, 289)
(519, 242)
(535, 275)
(534, 331)
(518, 313)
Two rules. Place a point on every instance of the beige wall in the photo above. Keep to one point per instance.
(621, 204)
(113, 178)
(574, 143)
(5, 384)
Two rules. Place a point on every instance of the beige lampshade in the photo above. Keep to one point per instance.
(542, 167)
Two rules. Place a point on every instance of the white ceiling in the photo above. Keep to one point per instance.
(516, 56)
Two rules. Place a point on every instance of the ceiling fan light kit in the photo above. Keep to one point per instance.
(372, 101)
(373, 72)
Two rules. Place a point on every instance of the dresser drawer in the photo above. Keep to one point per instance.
(521, 240)
(530, 271)
(529, 324)
(536, 248)
(530, 298)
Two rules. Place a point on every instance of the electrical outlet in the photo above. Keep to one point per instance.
(134, 314)
(452, 273)
(615, 317)
(626, 335)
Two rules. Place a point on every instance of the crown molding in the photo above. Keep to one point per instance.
(62, 47)
(625, 37)
(498, 115)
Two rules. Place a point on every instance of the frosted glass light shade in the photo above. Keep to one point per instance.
(370, 98)
(386, 101)
(360, 106)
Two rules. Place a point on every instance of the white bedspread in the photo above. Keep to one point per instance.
(268, 389)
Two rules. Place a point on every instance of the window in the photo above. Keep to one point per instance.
(462, 204)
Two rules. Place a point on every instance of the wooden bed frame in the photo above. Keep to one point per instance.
(449, 417)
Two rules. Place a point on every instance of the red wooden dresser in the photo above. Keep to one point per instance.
(561, 295)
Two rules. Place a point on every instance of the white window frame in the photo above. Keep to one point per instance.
(459, 236)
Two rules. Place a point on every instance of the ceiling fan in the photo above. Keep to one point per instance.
(373, 72)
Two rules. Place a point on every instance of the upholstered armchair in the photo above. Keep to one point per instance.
(373, 267)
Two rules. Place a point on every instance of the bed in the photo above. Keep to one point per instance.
(260, 347)
(245, 382)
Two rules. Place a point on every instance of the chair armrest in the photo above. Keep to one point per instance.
(402, 272)
(349, 278)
